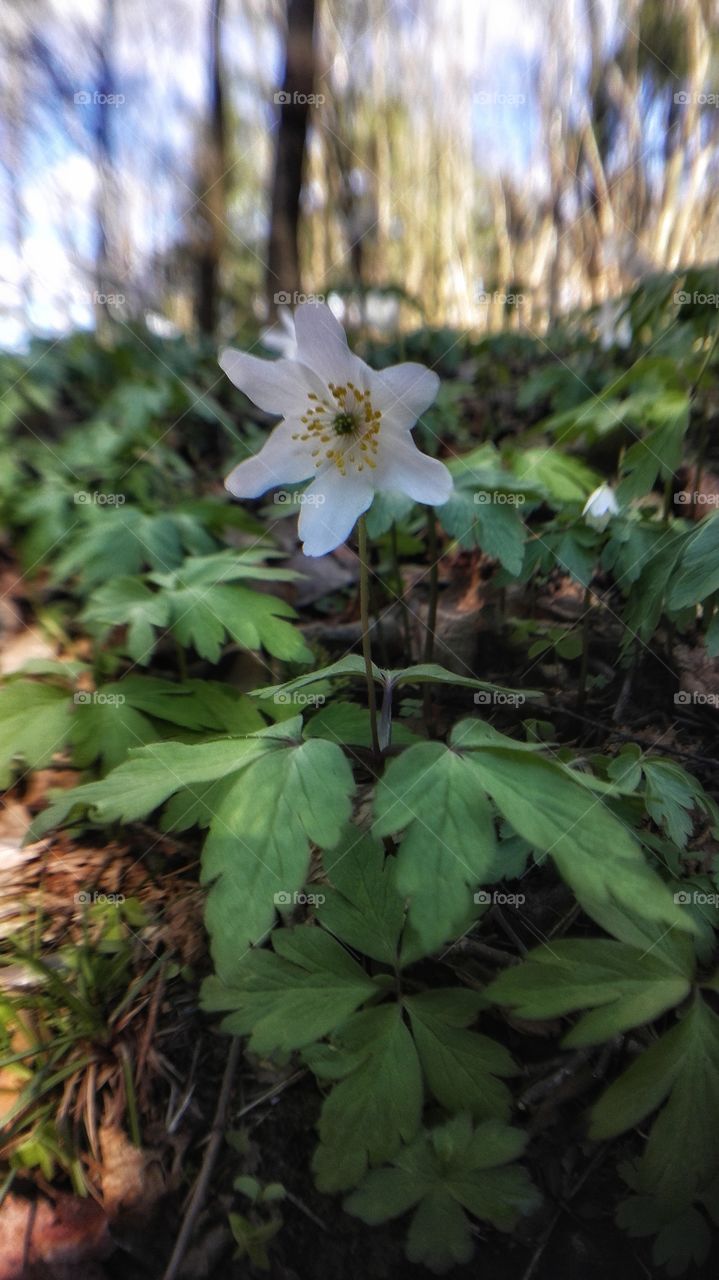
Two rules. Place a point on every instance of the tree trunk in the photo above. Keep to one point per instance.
(105, 201)
(283, 264)
(212, 170)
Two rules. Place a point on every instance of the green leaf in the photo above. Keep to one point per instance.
(489, 524)
(377, 1106)
(626, 768)
(386, 510)
(258, 844)
(34, 724)
(247, 1186)
(362, 904)
(444, 1173)
(120, 540)
(587, 420)
(469, 734)
(227, 566)
(289, 997)
(349, 723)
(252, 1238)
(576, 552)
(431, 793)
(624, 986)
(646, 601)
(681, 1241)
(670, 797)
(684, 1067)
(126, 601)
(259, 841)
(642, 1088)
(698, 572)
(109, 723)
(113, 720)
(202, 606)
(106, 727)
(644, 935)
(439, 1236)
(192, 704)
(67, 671)
(659, 454)
(432, 673)
(352, 665)
(203, 616)
(460, 1066)
(565, 478)
(195, 806)
(595, 853)
(153, 773)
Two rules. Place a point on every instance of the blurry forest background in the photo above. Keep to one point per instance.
(474, 184)
(459, 162)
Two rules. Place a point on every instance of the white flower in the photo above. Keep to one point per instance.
(344, 424)
(600, 507)
(281, 337)
(614, 328)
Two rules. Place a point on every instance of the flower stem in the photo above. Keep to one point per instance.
(433, 585)
(366, 643)
(700, 459)
(584, 667)
(705, 362)
(431, 610)
(399, 592)
(704, 432)
(709, 609)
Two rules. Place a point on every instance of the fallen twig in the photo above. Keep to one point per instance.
(217, 1133)
(548, 1232)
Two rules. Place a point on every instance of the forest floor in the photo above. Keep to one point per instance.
(145, 1157)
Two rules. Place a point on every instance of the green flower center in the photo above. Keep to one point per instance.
(343, 424)
(352, 415)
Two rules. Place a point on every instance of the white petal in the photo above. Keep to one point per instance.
(322, 345)
(403, 392)
(281, 337)
(281, 460)
(600, 506)
(405, 469)
(331, 507)
(277, 386)
(287, 321)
